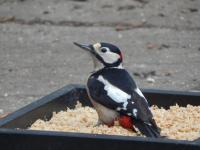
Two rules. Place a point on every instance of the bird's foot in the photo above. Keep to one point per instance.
(102, 123)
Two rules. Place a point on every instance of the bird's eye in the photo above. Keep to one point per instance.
(103, 50)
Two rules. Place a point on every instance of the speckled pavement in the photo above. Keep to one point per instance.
(160, 40)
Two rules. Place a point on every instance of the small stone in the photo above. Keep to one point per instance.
(193, 10)
(5, 94)
(165, 46)
(119, 36)
(10, 69)
(106, 6)
(1, 111)
(184, 46)
(77, 7)
(120, 27)
(142, 1)
(161, 15)
(168, 74)
(46, 12)
(183, 11)
(144, 20)
(6, 19)
(151, 46)
(150, 80)
(182, 18)
(137, 74)
(127, 7)
(80, 0)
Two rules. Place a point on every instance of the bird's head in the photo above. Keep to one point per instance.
(104, 54)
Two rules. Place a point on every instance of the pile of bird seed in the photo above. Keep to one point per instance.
(181, 123)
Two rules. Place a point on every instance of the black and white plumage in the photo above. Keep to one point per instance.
(113, 91)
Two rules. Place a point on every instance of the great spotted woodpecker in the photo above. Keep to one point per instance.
(114, 94)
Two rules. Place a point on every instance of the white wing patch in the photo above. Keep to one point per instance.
(114, 93)
(135, 112)
(129, 114)
(125, 105)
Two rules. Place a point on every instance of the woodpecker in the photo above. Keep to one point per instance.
(113, 92)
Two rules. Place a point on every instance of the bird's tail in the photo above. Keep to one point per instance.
(148, 129)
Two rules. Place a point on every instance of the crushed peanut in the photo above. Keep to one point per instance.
(181, 123)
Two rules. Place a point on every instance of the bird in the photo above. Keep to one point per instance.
(114, 93)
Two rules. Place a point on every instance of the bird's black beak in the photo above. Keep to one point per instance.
(85, 47)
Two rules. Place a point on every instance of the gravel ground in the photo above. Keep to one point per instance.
(159, 39)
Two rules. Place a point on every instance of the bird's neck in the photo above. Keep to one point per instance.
(97, 65)
(120, 66)
(100, 66)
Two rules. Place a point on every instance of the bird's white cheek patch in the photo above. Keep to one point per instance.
(114, 93)
(109, 57)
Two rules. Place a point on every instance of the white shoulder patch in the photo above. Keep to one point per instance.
(129, 114)
(113, 92)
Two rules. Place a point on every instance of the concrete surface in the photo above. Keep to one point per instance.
(160, 40)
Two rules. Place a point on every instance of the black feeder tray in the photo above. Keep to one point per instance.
(14, 136)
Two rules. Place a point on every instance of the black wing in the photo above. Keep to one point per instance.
(135, 106)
